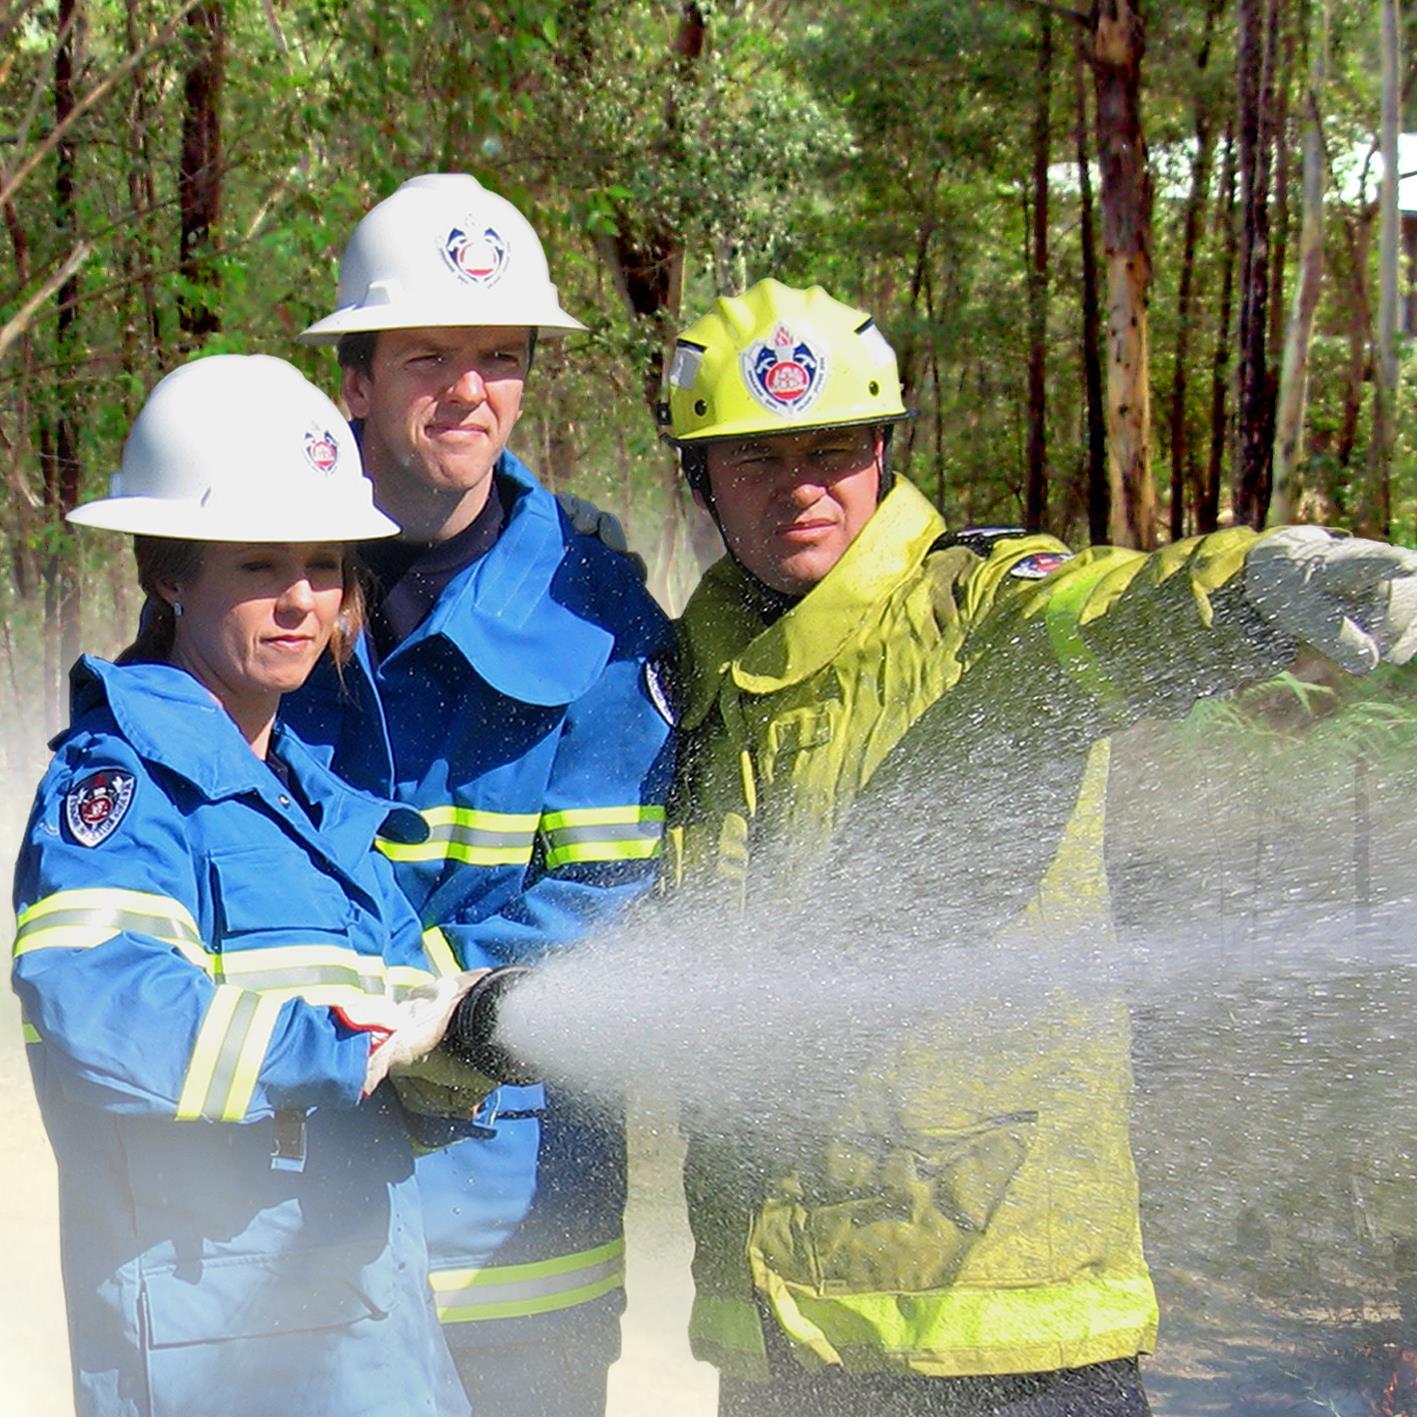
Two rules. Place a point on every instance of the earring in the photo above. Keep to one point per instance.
(176, 609)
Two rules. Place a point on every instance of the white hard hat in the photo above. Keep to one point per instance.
(443, 251)
(239, 447)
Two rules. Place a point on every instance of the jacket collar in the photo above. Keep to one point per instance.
(725, 638)
(169, 719)
(503, 615)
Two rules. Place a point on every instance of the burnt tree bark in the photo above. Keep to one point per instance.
(1185, 297)
(59, 450)
(199, 174)
(1253, 403)
(1208, 500)
(1098, 492)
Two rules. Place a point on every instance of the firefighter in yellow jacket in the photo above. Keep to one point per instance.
(969, 1241)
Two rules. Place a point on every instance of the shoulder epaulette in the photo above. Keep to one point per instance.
(979, 539)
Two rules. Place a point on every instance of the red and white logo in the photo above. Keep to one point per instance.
(478, 256)
(785, 373)
(95, 805)
(321, 450)
(1040, 564)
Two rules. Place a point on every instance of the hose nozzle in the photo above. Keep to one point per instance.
(472, 1033)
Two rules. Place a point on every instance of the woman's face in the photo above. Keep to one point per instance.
(255, 618)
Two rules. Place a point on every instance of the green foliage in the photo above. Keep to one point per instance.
(882, 148)
(1309, 733)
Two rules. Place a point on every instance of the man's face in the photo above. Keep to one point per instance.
(438, 407)
(789, 504)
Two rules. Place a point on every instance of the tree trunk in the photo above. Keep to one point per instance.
(59, 450)
(1373, 514)
(199, 177)
(23, 503)
(1253, 404)
(1118, 44)
(908, 350)
(649, 264)
(1185, 299)
(1358, 236)
(1280, 79)
(1099, 499)
(142, 189)
(1035, 507)
(1294, 372)
(1208, 503)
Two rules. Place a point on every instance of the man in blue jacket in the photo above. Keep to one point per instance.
(512, 662)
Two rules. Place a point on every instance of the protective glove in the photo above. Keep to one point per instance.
(439, 1085)
(1352, 599)
(590, 520)
(401, 1031)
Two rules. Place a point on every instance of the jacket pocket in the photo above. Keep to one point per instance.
(266, 1295)
(890, 1214)
(255, 892)
(799, 730)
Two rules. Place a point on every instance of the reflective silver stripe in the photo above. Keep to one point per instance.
(295, 967)
(404, 977)
(479, 836)
(511, 1291)
(625, 833)
(85, 918)
(226, 1058)
(114, 920)
(469, 835)
(649, 831)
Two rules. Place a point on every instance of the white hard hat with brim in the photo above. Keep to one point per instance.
(239, 448)
(443, 252)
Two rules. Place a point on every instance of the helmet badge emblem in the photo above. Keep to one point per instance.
(785, 373)
(478, 257)
(321, 450)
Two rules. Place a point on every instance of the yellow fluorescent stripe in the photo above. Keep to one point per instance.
(403, 977)
(456, 851)
(248, 1065)
(534, 1269)
(602, 851)
(233, 963)
(70, 937)
(488, 855)
(110, 897)
(326, 995)
(601, 816)
(548, 1303)
(475, 817)
(31, 1033)
(113, 910)
(439, 951)
(206, 1051)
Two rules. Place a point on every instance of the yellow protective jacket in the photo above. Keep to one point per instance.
(976, 1212)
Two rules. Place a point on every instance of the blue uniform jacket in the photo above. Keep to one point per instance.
(239, 1231)
(521, 724)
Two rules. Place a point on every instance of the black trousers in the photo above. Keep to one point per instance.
(1099, 1390)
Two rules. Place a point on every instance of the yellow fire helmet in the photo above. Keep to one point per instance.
(778, 360)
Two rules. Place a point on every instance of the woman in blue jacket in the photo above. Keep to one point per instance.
(214, 964)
